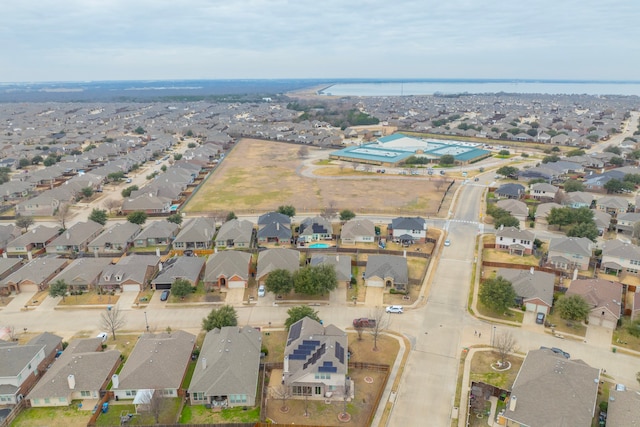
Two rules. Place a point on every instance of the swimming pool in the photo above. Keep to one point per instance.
(318, 245)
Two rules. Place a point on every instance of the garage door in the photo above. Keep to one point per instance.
(601, 321)
(131, 288)
(163, 286)
(531, 307)
(28, 288)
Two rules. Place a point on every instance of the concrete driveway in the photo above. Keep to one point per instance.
(374, 297)
(599, 336)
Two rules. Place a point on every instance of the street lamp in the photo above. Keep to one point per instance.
(145, 321)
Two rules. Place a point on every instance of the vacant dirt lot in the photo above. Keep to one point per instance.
(258, 176)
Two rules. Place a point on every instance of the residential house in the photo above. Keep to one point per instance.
(81, 371)
(35, 239)
(315, 229)
(408, 230)
(315, 362)
(158, 362)
(612, 205)
(76, 239)
(569, 253)
(275, 259)
(578, 199)
(21, 365)
(510, 191)
(7, 267)
(385, 271)
(8, 233)
(516, 208)
(34, 276)
(543, 191)
(274, 227)
(602, 220)
(341, 264)
(131, 273)
(226, 374)
(619, 257)
(196, 234)
(83, 273)
(235, 233)
(551, 390)
(534, 289)
(147, 203)
(116, 239)
(543, 210)
(519, 242)
(156, 234)
(229, 269)
(539, 172)
(603, 296)
(622, 407)
(626, 222)
(41, 205)
(179, 267)
(358, 230)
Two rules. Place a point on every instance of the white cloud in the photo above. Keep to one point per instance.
(143, 39)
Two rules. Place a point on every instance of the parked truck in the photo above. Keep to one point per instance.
(363, 322)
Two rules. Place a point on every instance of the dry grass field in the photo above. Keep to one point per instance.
(258, 176)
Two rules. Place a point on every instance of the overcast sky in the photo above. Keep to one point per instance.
(69, 40)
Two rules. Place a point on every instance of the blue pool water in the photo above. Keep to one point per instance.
(318, 245)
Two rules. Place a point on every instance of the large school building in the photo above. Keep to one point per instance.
(392, 150)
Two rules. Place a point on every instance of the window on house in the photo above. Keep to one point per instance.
(318, 390)
(47, 400)
(85, 393)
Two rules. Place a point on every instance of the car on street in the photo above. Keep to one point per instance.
(395, 309)
(261, 291)
(447, 242)
(164, 296)
(540, 318)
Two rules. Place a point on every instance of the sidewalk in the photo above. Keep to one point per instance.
(390, 390)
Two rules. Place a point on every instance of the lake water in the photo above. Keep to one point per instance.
(398, 88)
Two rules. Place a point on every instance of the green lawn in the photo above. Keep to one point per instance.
(567, 326)
(198, 414)
(510, 315)
(187, 378)
(168, 414)
(65, 416)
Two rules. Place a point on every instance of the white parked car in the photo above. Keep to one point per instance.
(447, 242)
(394, 309)
(261, 291)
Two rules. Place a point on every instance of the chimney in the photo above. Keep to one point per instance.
(157, 251)
(404, 253)
(4, 255)
(278, 226)
(29, 256)
(501, 226)
(204, 363)
(95, 252)
(160, 266)
(286, 364)
(215, 250)
(115, 381)
(532, 270)
(72, 381)
(575, 274)
(512, 403)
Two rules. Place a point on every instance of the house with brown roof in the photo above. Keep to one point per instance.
(603, 296)
(79, 373)
(158, 362)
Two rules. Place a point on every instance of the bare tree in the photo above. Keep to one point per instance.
(303, 152)
(111, 204)
(505, 344)
(281, 392)
(157, 404)
(112, 319)
(329, 212)
(439, 183)
(63, 214)
(381, 323)
(11, 332)
(355, 166)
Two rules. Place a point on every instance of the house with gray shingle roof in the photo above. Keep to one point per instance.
(579, 199)
(115, 239)
(569, 253)
(408, 230)
(613, 205)
(315, 362)
(274, 227)
(158, 362)
(603, 296)
(41, 205)
(83, 273)
(626, 221)
(341, 264)
(156, 234)
(35, 239)
(515, 240)
(622, 408)
(551, 390)
(543, 191)
(516, 208)
(20, 365)
(228, 269)
(131, 273)
(75, 239)
(235, 233)
(315, 229)
(385, 271)
(197, 233)
(79, 373)
(34, 276)
(149, 203)
(179, 267)
(358, 230)
(619, 257)
(510, 191)
(543, 210)
(534, 289)
(226, 374)
(8, 233)
(275, 259)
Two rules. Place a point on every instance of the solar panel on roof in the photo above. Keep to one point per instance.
(310, 342)
(327, 363)
(297, 357)
(294, 332)
(332, 369)
(339, 353)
